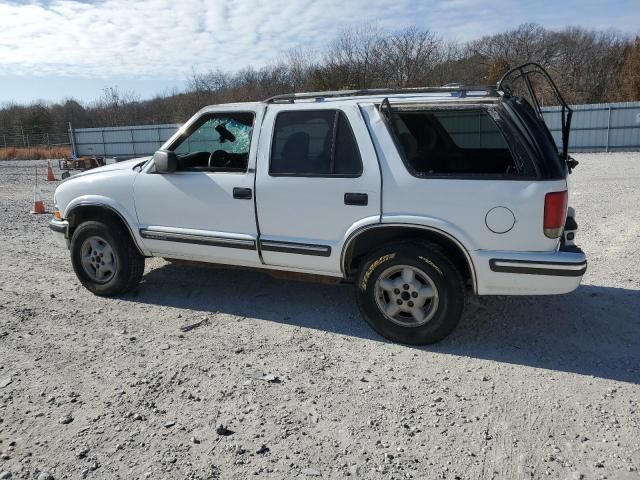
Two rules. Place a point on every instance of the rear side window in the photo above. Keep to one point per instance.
(315, 143)
(452, 142)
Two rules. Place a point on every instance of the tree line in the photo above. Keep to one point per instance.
(589, 66)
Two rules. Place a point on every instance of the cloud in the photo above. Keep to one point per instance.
(161, 38)
(158, 37)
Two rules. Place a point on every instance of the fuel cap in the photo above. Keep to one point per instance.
(500, 219)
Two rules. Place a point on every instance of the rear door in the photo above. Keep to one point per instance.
(315, 183)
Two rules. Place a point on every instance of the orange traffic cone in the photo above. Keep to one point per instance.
(50, 176)
(38, 204)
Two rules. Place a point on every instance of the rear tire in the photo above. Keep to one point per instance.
(410, 292)
(105, 259)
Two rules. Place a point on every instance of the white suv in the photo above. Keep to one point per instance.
(417, 196)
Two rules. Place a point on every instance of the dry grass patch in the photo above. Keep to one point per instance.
(34, 153)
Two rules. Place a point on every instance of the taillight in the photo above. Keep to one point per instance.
(555, 212)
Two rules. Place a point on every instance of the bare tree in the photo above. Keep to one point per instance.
(212, 81)
(409, 56)
(630, 83)
(300, 64)
(116, 107)
(353, 59)
(588, 65)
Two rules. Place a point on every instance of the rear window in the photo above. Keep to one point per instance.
(452, 142)
(539, 138)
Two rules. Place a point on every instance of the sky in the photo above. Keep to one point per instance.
(56, 49)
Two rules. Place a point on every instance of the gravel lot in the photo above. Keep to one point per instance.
(526, 387)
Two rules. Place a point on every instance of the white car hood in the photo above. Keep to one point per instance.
(128, 164)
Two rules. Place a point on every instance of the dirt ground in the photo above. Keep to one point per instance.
(525, 388)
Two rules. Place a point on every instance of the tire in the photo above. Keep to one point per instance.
(425, 312)
(120, 267)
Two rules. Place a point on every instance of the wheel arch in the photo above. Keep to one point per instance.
(84, 211)
(370, 237)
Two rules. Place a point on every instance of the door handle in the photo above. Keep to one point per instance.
(356, 199)
(242, 193)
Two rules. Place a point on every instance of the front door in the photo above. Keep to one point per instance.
(315, 183)
(204, 210)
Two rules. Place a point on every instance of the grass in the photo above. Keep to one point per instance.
(34, 153)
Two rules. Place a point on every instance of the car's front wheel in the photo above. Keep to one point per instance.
(411, 293)
(105, 259)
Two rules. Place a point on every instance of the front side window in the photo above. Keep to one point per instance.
(216, 143)
(314, 143)
(450, 142)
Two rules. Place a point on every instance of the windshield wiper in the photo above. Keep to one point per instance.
(138, 166)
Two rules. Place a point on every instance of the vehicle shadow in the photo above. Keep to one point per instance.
(592, 331)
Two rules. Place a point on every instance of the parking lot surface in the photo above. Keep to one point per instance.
(525, 388)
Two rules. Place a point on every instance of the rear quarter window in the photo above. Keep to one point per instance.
(452, 142)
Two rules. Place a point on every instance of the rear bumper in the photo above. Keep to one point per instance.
(60, 229)
(511, 273)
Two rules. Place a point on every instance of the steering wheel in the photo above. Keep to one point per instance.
(219, 158)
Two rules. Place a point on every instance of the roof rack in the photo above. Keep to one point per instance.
(455, 90)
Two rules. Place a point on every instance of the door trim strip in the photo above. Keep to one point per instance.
(295, 248)
(244, 244)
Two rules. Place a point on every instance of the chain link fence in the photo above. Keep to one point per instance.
(21, 137)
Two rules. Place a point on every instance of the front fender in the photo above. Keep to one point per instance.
(127, 216)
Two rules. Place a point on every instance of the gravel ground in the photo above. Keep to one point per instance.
(526, 387)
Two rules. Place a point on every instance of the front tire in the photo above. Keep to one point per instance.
(105, 259)
(411, 293)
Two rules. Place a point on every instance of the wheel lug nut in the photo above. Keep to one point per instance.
(396, 291)
(405, 286)
(414, 294)
(410, 303)
(399, 302)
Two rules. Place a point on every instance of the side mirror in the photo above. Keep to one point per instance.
(165, 161)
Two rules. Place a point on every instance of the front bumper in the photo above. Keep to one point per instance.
(511, 273)
(60, 230)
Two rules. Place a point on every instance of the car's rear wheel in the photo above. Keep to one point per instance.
(105, 259)
(411, 293)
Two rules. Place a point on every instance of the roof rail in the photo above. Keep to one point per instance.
(456, 90)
